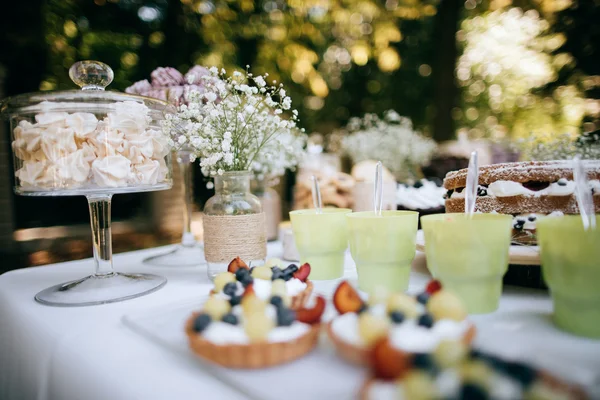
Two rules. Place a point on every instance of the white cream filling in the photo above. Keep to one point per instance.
(407, 336)
(427, 196)
(222, 333)
(531, 225)
(511, 188)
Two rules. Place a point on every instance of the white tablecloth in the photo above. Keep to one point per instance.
(88, 353)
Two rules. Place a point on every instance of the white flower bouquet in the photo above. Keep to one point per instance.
(391, 140)
(236, 124)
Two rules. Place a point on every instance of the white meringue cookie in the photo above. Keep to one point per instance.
(159, 141)
(51, 118)
(146, 173)
(58, 142)
(108, 143)
(75, 167)
(111, 171)
(31, 172)
(143, 143)
(83, 124)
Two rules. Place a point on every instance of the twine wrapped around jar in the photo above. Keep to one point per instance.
(229, 236)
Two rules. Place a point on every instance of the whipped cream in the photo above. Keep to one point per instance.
(529, 221)
(407, 336)
(563, 187)
(427, 196)
(63, 150)
(221, 333)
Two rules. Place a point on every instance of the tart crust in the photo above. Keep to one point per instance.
(299, 299)
(253, 355)
(360, 355)
(575, 392)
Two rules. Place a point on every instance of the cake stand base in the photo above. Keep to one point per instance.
(180, 256)
(100, 289)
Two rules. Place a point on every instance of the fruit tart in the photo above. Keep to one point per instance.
(452, 371)
(253, 333)
(414, 324)
(290, 283)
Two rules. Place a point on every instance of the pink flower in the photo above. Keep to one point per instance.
(168, 76)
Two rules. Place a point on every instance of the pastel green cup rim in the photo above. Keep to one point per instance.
(463, 217)
(565, 221)
(325, 210)
(395, 214)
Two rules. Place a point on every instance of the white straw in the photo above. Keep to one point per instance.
(583, 194)
(472, 185)
(316, 195)
(378, 189)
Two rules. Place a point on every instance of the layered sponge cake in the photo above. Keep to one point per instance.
(527, 190)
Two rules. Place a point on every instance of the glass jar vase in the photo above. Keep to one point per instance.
(234, 224)
(271, 204)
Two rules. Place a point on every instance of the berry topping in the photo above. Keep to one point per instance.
(242, 273)
(388, 363)
(346, 299)
(397, 317)
(216, 307)
(236, 264)
(423, 298)
(291, 269)
(424, 361)
(235, 300)
(252, 304)
(532, 218)
(363, 308)
(277, 301)
(482, 191)
(257, 326)
(273, 262)
(262, 272)
(403, 303)
(521, 372)
(285, 316)
(230, 288)
(445, 305)
(519, 224)
(248, 290)
(433, 286)
(230, 319)
(223, 279)
(371, 328)
(562, 182)
(312, 315)
(277, 273)
(450, 353)
(247, 280)
(419, 385)
(425, 320)
(418, 184)
(279, 288)
(472, 391)
(201, 322)
(303, 272)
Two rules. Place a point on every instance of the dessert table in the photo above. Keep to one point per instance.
(91, 353)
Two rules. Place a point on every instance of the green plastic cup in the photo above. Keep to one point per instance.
(322, 240)
(571, 268)
(383, 248)
(469, 255)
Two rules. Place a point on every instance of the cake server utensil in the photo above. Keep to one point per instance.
(583, 194)
(378, 189)
(316, 195)
(472, 184)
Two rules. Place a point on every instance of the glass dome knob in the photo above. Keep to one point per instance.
(91, 75)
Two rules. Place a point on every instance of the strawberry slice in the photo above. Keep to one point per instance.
(433, 286)
(346, 299)
(249, 290)
(302, 272)
(387, 362)
(312, 315)
(236, 264)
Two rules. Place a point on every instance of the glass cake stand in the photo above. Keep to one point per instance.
(90, 143)
(188, 253)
